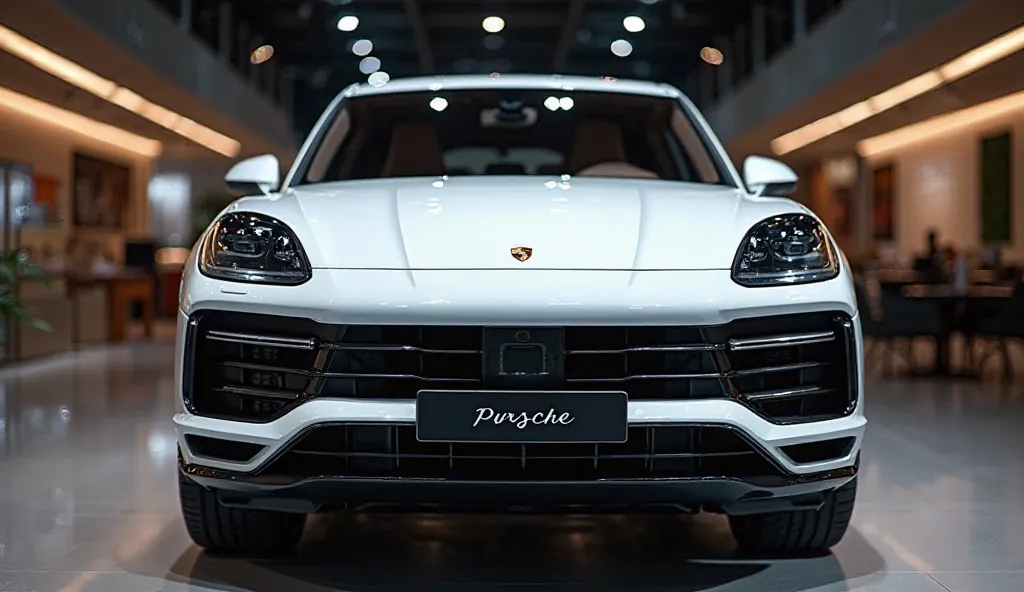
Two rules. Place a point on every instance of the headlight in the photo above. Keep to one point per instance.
(786, 249)
(245, 247)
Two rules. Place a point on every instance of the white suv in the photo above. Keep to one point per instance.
(517, 290)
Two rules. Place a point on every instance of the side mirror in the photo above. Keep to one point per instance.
(768, 177)
(257, 174)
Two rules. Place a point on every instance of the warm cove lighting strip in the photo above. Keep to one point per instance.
(81, 124)
(85, 79)
(958, 67)
(943, 124)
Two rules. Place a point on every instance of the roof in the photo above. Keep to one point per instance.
(515, 82)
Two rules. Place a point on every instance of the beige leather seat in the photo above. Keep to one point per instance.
(599, 150)
(415, 151)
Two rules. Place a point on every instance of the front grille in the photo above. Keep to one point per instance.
(789, 368)
(362, 450)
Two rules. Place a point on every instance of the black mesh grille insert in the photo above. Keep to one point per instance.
(216, 448)
(787, 368)
(356, 450)
(821, 451)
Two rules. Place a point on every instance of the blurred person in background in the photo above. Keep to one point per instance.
(935, 257)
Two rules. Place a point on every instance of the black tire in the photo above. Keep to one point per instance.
(799, 532)
(222, 529)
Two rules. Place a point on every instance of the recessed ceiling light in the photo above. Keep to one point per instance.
(551, 103)
(712, 56)
(261, 54)
(369, 65)
(348, 23)
(566, 103)
(438, 103)
(493, 24)
(633, 24)
(622, 48)
(378, 79)
(362, 47)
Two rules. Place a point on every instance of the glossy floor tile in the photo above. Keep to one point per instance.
(88, 502)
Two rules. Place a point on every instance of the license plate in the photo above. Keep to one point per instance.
(521, 416)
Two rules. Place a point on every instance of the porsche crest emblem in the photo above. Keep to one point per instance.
(522, 253)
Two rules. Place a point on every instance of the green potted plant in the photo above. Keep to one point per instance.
(14, 268)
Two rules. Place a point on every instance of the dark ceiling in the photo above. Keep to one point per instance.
(412, 37)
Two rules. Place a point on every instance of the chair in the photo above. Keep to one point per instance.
(894, 322)
(999, 321)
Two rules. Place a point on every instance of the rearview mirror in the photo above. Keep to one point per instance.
(768, 177)
(260, 174)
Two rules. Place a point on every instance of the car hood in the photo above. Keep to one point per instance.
(475, 222)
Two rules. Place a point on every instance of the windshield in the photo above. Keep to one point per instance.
(481, 132)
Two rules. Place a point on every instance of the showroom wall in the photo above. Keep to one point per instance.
(938, 185)
(49, 150)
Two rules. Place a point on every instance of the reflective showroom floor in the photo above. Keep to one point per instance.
(88, 503)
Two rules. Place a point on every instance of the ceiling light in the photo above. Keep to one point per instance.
(566, 103)
(378, 79)
(369, 65)
(261, 54)
(362, 47)
(80, 124)
(621, 48)
(633, 24)
(970, 61)
(551, 103)
(438, 103)
(712, 55)
(85, 79)
(348, 23)
(943, 124)
(493, 24)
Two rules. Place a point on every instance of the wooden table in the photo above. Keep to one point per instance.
(950, 303)
(123, 288)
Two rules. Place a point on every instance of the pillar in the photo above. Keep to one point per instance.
(186, 15)
(738, 56)
(707, 86)
(799, 19)
(758, 38)
(723, 72)
(242, 44)
(257, 72)
(225, 23)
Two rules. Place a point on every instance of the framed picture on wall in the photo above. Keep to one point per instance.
(100, 192)
(996, 178)
(883, 184)
(841, 218)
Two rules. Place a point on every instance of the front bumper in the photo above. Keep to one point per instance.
(275, 436)
(792, 484)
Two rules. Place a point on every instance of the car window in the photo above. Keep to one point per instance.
(473, 132)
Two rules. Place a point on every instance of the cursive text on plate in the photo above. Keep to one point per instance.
(522, 419)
